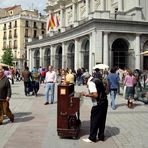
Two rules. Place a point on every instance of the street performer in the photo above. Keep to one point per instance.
(98, 94)
(5, 95)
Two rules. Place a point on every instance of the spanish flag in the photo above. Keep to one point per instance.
(51, 23)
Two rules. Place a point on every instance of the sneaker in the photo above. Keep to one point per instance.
(46, 103)
(87, 140)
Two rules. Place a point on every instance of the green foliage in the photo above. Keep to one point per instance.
(7, 57)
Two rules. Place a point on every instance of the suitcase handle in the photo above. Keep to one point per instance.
(63, 114)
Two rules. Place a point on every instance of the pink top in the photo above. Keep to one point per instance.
(51, 77)
(129, 80)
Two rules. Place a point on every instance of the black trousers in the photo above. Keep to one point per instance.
(98, 120)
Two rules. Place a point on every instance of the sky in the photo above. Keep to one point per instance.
(26, 4)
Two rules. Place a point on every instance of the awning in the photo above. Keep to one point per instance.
(144, 53)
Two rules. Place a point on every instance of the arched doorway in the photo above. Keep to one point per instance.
(145, 57)
(58, 57)
(120, 53)
(47, 57)
(85, 54)
(70, 56)
(37, 58)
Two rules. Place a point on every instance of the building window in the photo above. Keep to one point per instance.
(10, 34)
(43, 32)
(4, 45)
(35, 25)
(43, 26)
(15, 44)
(15, 33)
(10, 43)
(10, 25)
(27, 24)
(26, 32)
(15, 24)
(5, 36)
(35, 34)
(4, 26)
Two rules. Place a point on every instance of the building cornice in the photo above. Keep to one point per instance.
(118, 26)
(16, 17)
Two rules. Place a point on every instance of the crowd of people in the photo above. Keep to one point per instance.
(100, 83)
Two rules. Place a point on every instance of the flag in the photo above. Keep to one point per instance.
(52, 23)
(49, 24)
(57, 21)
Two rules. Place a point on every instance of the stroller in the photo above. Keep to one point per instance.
(32, 86)
(141, 90)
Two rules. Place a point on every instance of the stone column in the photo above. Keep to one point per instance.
(52, 55)
(87, 7)
(41, 57)
(120, 5)
(96, 46)
(102, 5)
(137, 51)
(62, 16)
(74, 11)
(28, 58)
(137, 3)
(77, 54)
(64, 53)
(31, 59)
(105, 51)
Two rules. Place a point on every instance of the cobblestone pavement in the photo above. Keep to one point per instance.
(35, 124)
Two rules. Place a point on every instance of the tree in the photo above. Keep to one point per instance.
(7, 57)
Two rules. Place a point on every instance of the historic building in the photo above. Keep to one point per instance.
(82, 33)
(16, 27)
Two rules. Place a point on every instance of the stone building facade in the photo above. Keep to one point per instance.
(113, 32)
(16, 27)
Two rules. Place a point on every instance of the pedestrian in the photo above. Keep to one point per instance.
(50, 80)
(113, 81)
(27, 78)
(35, 81)
(97, 93)
(5, 95)
(129, 82)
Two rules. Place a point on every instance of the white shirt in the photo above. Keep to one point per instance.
(91, 85)
(51, 77)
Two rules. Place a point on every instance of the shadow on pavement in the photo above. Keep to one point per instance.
(20, 117)
(109, 131)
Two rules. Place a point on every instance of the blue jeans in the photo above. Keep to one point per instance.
(113, 94)
(49, 89)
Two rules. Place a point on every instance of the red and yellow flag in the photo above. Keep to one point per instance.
(51, 23)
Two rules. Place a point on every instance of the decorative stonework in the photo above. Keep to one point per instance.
(97, 4)
(69, 16)
(83, 11)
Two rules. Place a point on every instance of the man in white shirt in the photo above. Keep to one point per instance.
(98, 94)
(50, 80)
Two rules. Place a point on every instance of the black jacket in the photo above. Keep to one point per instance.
(5, 88)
